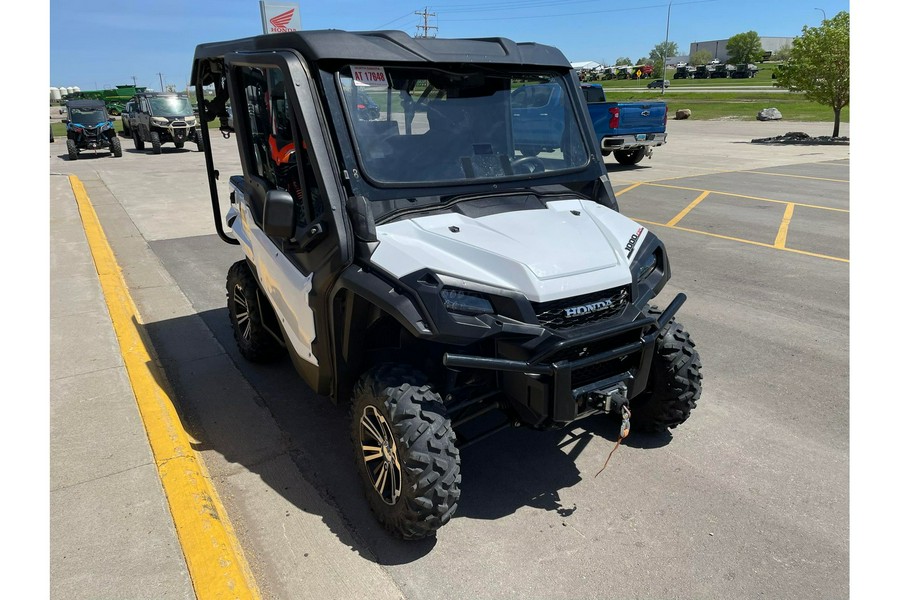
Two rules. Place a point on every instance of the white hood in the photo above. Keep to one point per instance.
(547, 254)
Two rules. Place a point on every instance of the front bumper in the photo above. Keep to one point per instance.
(626, 142)
(570, 378)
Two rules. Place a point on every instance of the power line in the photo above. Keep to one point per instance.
(395, 20)
(609, 10)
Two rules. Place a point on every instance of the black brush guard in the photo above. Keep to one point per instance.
(551, 389)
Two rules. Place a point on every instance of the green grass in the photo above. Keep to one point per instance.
(742, 106)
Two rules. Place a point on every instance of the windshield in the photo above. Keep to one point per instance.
(170, 106)
(427, 125)
(87, 116)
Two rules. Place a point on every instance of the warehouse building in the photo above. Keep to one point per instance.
(718, 48)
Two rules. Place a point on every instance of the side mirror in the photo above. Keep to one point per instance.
(66, 121)
(278, 214)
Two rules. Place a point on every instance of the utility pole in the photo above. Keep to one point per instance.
(162, 88)
(134, 80)
(666, 50)
(425, 14)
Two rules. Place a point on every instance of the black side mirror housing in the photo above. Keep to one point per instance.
(278, 214)
(66, 121)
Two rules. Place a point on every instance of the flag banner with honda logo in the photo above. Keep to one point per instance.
(280, 17)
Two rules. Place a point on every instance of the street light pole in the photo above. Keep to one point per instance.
(666, 50)
(824, 18)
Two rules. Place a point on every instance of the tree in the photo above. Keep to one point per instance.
(700, 57)
(782, 53)
(744, 48)
(660, 51)
(819, 65)
(642, 61)
(623, 61)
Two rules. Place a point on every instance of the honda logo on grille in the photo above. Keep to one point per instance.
(587, 309)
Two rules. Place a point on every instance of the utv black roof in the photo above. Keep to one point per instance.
(85, 104)
(383, 47)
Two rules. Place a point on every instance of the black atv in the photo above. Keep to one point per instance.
(88, 127)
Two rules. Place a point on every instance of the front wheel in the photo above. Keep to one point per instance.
(72, 149)
(200, 145)
(405, 450)
(630, 157)
(137, 139)
(115, 147)
(675, 381)
(155, 142)
(245, 312)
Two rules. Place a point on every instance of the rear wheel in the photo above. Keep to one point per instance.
(155, 142)
(675, 381)
(630, 157)
(115, 147)
(72, 149)
(405, 450)
(244, 297)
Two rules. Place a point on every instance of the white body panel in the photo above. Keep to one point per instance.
(547, 254)
(285, 286)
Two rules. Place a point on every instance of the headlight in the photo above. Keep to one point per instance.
(159, 120)
(466, 302)
(646, 266)
(190, 121)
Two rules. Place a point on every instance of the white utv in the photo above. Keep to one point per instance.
(421, 268)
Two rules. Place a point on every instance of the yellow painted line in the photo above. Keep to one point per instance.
(799, 176)
(781, 239)
(687, 209)
(690, 189)
(629, 188)
(214, 558)
(743, 241)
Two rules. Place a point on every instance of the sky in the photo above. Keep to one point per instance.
(100, 44)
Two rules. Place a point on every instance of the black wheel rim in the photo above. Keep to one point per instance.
(241, 312)
(379, 452)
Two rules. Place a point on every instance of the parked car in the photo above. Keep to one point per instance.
(628, 130)
(658, 83)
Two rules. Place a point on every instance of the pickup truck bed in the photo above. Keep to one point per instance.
(630, 130)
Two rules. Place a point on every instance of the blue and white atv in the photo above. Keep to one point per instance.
(89, 127)
(425, 266)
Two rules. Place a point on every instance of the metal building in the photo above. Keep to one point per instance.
(718, 47)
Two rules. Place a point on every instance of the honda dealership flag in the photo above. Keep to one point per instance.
(280, 17)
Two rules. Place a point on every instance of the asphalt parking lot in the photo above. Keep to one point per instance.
(749, 498)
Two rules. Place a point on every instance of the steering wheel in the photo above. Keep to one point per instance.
(528, 164)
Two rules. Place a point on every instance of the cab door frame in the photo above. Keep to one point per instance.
(297, 277)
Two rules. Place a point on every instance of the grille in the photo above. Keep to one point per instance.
(554, 315)
(598, 371)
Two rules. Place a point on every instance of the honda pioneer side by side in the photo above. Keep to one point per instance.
(158, 119)
(424, 266)
(88, 127)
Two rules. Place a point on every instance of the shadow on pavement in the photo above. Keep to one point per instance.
(507, 471)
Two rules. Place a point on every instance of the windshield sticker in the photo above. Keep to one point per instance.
(369, 76)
